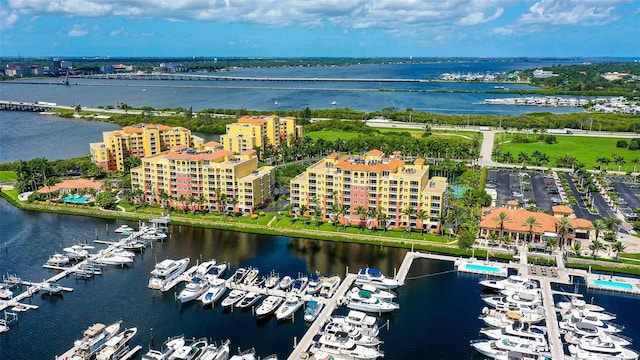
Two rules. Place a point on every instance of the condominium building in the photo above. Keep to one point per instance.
(252, 132)
(138, 140)
(214, 178)
(348, 187)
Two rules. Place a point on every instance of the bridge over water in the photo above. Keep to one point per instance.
(182, 76)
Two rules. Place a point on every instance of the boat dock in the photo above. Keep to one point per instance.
(551, 320)
(131, 353)
(330, 305)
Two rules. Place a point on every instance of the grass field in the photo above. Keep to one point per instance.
(7, 176)
(586, 149)
(331, 135)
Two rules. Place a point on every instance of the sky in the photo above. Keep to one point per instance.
(320, 28)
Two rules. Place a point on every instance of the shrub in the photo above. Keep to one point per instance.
(254, 216)
(261, 213)
(622, 144)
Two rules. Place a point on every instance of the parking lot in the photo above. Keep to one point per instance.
(628, 191)
(528, 188)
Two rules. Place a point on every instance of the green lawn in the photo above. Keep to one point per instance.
(7, 176)
(585, 149)
(331, 135)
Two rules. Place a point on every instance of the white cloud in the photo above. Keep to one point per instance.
(8, 18)
(503, 30)
(117, 32)
(479, 18)
(583, 12)
(78, 30)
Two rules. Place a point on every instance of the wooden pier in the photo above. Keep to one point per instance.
(328, 309)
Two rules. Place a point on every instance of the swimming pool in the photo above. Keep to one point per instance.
(75, 199)
(485, 268)
(613, 284)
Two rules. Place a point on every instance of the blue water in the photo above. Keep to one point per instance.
(75, 199)
(614, 284)
(436, 320)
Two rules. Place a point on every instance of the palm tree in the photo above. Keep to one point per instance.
(201, 201)
(596, 246)
(551, 243)
(384, 217)
(303, 209)
(372, 214)
(192, 203)
(618, 247)
(502, 218)
(423, 215)
(563, 227)
(361, 211)
(182, 199)
(164, 197)
(456, 216)
(409, 211)
(532, 223)
(576, 247)
(599, 226)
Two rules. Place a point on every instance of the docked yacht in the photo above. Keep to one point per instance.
(601, 347)
(517, 348)
(239, 275)
(520, 299)
(92, 340)
(269, 305)
(5, 292)
(577, 304)
(375, 278)
(360, 294)
(500, 318)
(593, 315)
(217, 288)
(251, 276)
(216, 272)
(123, 229)
(110, 258)
(313, 309)
(194, 288)
(571, 337)
(371, 304)
(580, 317)
(167, 271)
(513, 282)
(518, 329)
(189, 351)
(329, 286)
(249, 299)
(153, 236)
(286, 282)
(58, 259)
(249, 354)
(289, 307)
(233, 297)
(344, 347)
(216, 352)
(365, 323)
(315, 283)
(300, 284)
(169, 347)
(356, 334)
(272, 280)
(76, 252)
(115, 347)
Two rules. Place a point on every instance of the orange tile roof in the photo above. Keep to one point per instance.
(334, 156)
(561, 209)
(391, 165)
(419, 161)
(516, 218)
(512, 203)
(374, 152)
(212, 143)
(72, 184)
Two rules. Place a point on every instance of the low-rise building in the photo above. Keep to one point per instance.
(372, 190)
(203, 178)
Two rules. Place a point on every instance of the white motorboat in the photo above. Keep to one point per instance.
(344, 347)
(189, 351)
(518, 299)
(92, 340)
(300, 284)
(166, 272)
(5, 292)
(216, 352)
(115, 347)
(233, 297)
(312, 310)
(153, 236)
(245, 355)
(601, 347)
(239, 275)
(518, 329)
(269, 305)
(50, 288)
(123, 229)
(503, 318)
(216, 272)
(272, 280)
(194, 288)
(592, 315)
(4, 327)
(260, 281)
(133, 245)
(329, 286)
(123, 252)
(375, 278)
(577, 304)
(251, 276)
(513, 282)
(169, 347)
(356, 334)
(358, 294)
(315, 284)
(365, 323)
(289, 307)
(517, 348)
(76, 252)
(588, 318)
(371, 304)
(249, 299)
(217, 288)
(571, 337)
(286, 282)
(110, 258)
(58, 259)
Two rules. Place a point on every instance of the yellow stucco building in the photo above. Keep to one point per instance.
(371, 181)
(252, 132)
(227, 182)
(138, 140)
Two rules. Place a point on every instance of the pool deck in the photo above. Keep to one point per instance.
(627, 285)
